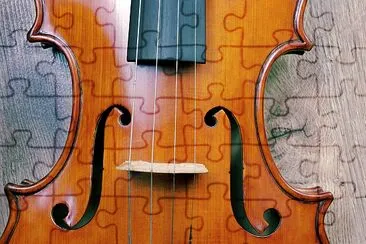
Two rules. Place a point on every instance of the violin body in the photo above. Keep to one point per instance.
(209, 113)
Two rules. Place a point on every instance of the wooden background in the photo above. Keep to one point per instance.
(315, 115)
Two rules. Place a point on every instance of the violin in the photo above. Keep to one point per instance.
(167, 140)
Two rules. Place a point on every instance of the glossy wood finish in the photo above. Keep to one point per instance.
(244, 38)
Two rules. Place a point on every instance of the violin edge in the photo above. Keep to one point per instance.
(315, 194)
(13, 190)
(301, 44)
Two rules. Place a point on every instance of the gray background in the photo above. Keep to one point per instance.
(315, 118)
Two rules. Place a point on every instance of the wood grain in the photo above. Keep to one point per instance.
(327, 176)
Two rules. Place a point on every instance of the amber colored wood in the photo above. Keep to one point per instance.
(244, 38)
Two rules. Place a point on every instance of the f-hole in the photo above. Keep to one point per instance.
(60, 211)
(271, 215)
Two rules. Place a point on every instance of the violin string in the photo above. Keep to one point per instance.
(154, 122)
(175, 119)
(129, 205)
(195, 111)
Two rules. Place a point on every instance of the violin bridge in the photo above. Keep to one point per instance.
(163, 168)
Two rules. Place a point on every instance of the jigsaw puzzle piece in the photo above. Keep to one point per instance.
(217, 198)
(238, 26)
(114, 17)
(34, 109)
(319, 66)
(237, 91)
(21, 146)
(32, 216)
(253, 176)
(39, 167)
(50, 198)
(353, 169)
(56, 10)
(116, 80)
(333, 58)
(251, 40)
(69, 18)
(307, 126)
(63, 84)
(205, 138)
(39, 85)
(356, 70)
(320, 21)
(243, 22)
(344, 110)
(309, 83)
(346, 27)
(216, 18)
(22, 17)
(299, 166)
(214, 201)
(154, 215)
(343, 213)
(280, 85)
